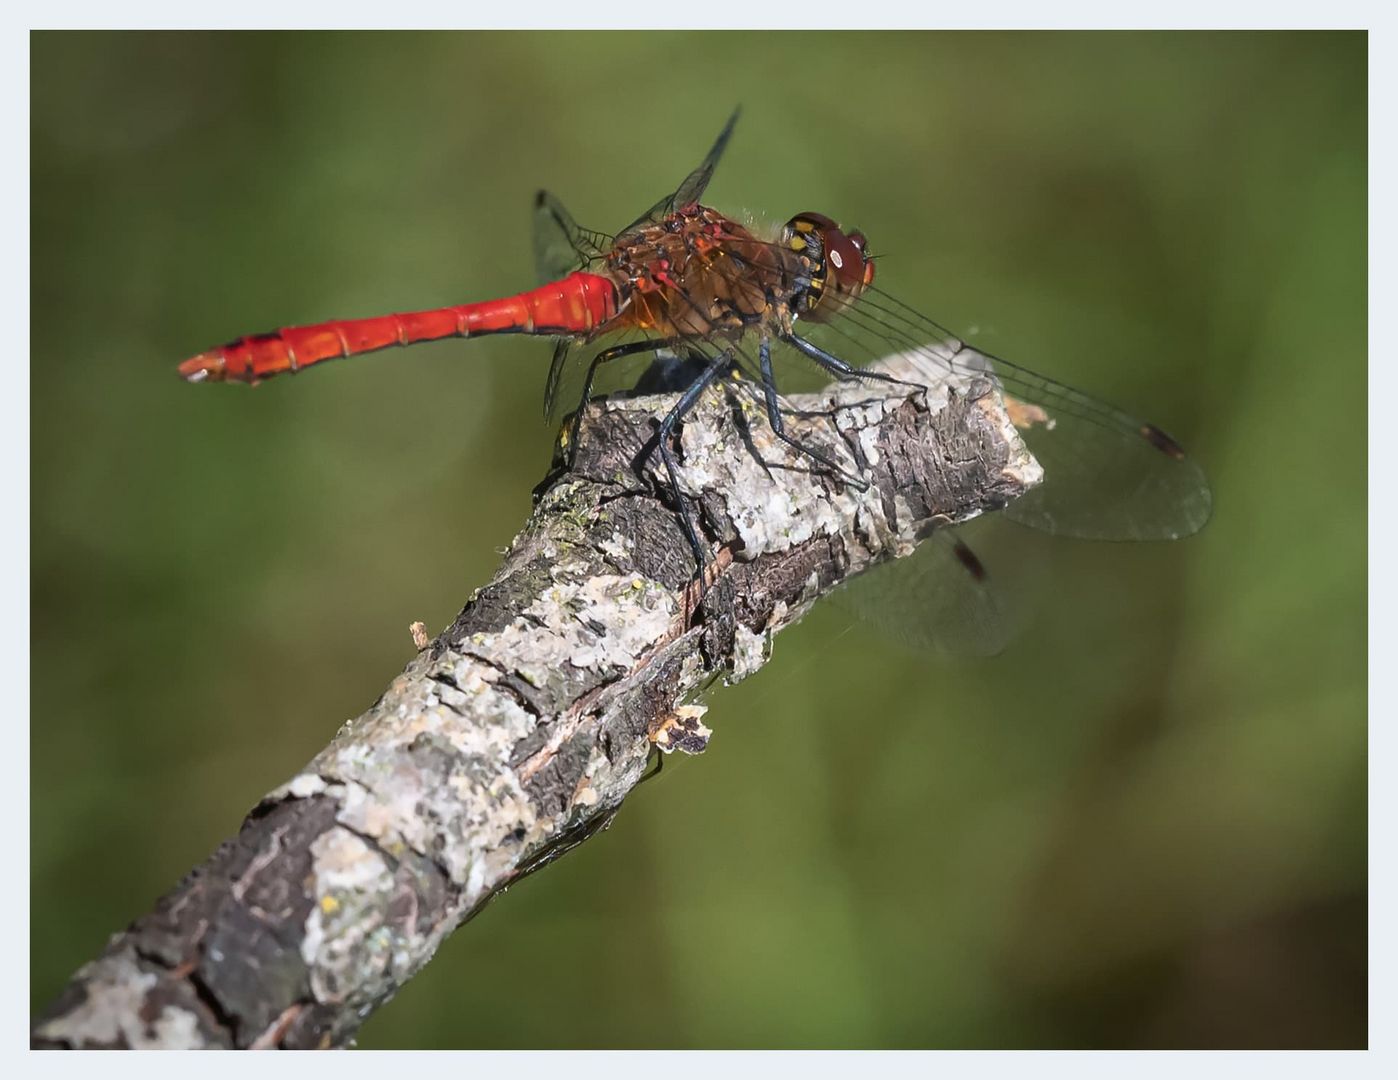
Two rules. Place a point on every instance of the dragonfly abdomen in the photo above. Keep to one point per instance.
(576, 304)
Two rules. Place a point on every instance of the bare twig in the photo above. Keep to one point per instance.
(520, 729)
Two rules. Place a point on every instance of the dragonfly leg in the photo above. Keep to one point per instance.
(616, 352)
(716, 367)
(839, 368)
(655, 770)
(774, 417)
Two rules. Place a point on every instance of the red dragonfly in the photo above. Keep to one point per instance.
(686, 281)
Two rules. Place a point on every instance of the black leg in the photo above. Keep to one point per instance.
(774, 417)
(839, 368)
(717, 366)
(652, 773)
(605, 356)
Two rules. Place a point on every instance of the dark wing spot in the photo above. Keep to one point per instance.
(969, 560)
(1162, 441)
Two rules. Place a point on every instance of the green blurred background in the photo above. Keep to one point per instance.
(1144, 825)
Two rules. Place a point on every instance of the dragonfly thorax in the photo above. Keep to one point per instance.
(696, 273)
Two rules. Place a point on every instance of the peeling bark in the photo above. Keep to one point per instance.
(518, 731)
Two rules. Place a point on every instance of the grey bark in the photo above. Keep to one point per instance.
(518, 731)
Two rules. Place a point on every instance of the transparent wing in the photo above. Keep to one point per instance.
(1107, 475)
(654, 370)
(561, 363)
(941, 598)
(693, 185)
(560, 245)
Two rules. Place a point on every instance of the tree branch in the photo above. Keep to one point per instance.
(519, 730)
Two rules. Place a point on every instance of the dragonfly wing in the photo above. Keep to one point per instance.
(1107, 475)
(560, 245)
(655, 370)
(1105, 483)
(691, 190)
(941, 599)
(557, 366)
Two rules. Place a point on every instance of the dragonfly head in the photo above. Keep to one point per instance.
(840, 268)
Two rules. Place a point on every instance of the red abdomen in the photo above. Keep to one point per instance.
(578, 304)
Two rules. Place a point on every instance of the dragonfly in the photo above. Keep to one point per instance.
(686, 281)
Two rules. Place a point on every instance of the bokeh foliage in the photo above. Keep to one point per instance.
(1144, 825)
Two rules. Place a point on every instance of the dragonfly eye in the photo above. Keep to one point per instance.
(850, 269)
(861, 242)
